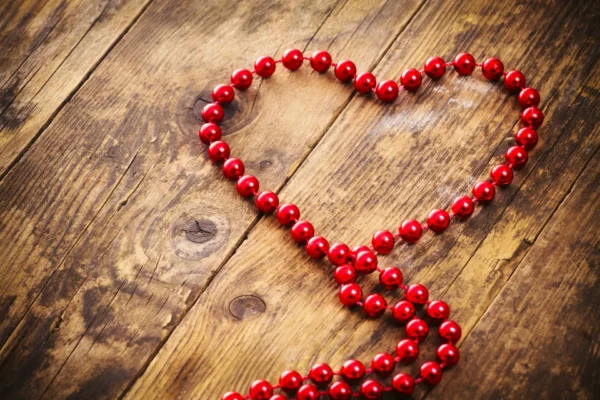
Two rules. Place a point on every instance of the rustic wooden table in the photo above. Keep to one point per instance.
(131, 269)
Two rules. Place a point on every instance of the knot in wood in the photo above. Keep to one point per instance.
(246, 306)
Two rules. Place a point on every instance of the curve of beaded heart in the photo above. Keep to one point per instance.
(362, 260)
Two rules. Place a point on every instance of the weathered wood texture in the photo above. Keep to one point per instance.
(130, 267)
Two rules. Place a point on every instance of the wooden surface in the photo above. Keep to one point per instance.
(131, 269)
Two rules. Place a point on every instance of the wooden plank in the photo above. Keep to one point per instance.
(270, 308)
(113, 222)
(47, 49)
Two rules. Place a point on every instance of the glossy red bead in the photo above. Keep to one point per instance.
(345, 70)
(213, 112)
(407, 350)
(365, 262)
(278, 397)
(320, 61)
(438, 310)
(383, 362)
(435, 67)
(371, 390)
(233, 168)
(340, 390)
(431, 372)
(292, 59)
(391, 278)
(462, 207)
(416, 329)
(287, 214)
(464, 64)
(353, 370)
(358, 249)
(241, 78)
(417, 294)
(267, 202)
(308, 392)
(209, 132)
(339, 254)
(501, 175)
(411, 79)
(383, 242)
(317, 247)
(410, 231)
(403, 383)
(527, 138)
(302, 231)
(516, 156)
(232, 396)
(218, 151)
(344, 274)
(450, 331)
(365, 82)
(438, 220)
(320, 373)
(375, 305)
(223, 94)
(265, 66)
(403, 311)
(247, 186)
(448, 354)
(483, 191)
(514, 81)
(290, 380)
(532, 116)
(529, 97)
(492, 69)
(261, 390)
(387, 91)
(350, 294)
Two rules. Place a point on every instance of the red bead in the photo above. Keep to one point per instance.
(462, 207)
(264, 66)
(223, 94)
(416, 329)
(387, 91)
(218, 151)
(438, 220)
(358, 249)
(450, 331)
(321, 373)
(320, 61)
(353, 370)
(371, 390)
(403, 311)
(435, 67)
(483, 191)
(345, 70)
(431, 372)
(247, 186)
(464, 64)
(212, 112)
(233, 168)
(365, 262)
(340, 390)
(529, 97)
(302, 231)
(407, 350)
(287, 214)
(344, 274)
(317, 247)
(339, 254)
(375, 305)
(448, 355)
(527, 138)
(292, 59)
(278, 397)
(383, 242)
(391, 278)
(241, 78)
(411, 79)
(417, 294)
(290, 380)
(410, 231)
(308, 392)
(209, 132)
(514, 81)
(438, 309)
(501, 175)
(261, 390)
(232, 396)
(492, 69)
(383, 362)
(267, 202)
(350, 294)
(365, 82)
(532, 116)
(403, 383)
(516, 157)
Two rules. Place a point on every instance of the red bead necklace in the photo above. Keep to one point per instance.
(362, 260)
